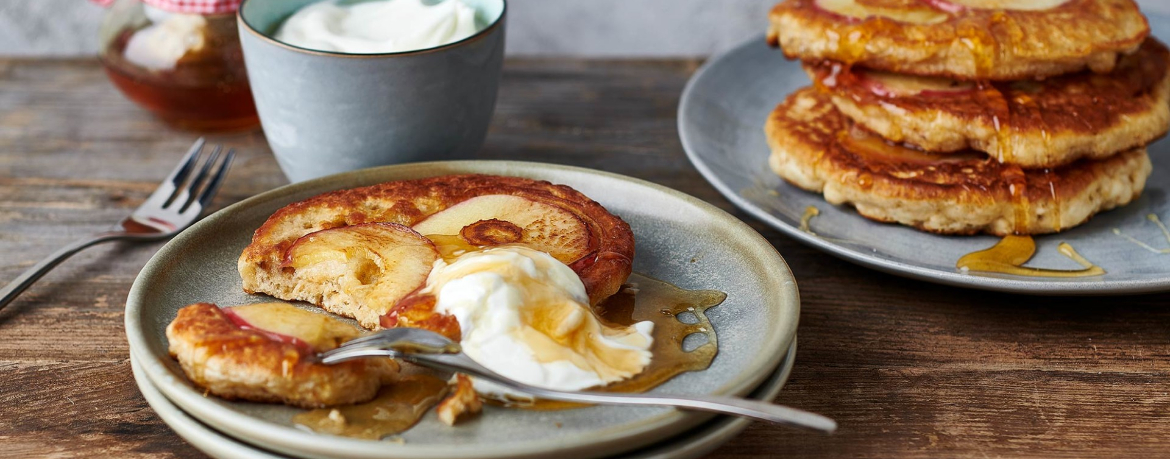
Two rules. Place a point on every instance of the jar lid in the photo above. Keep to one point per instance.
(188, 6)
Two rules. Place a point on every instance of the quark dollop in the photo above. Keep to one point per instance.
(379, 26)
(525, 315)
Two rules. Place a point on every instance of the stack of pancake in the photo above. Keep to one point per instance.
(969, 116)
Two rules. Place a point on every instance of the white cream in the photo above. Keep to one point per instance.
(379, 26)
(525, 315)
(170, 37)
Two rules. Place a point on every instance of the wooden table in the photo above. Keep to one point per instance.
(909, 369)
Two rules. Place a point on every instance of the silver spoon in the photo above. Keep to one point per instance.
(429, 349)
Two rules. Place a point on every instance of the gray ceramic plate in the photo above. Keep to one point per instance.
(721, 119)
(691, 444)
(681, 239)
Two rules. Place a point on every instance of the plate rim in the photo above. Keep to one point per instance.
(178, 389)
(951, 278)
(714, 433)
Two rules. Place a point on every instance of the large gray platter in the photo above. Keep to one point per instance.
(681, 239)
(690, 444)
(720, 121)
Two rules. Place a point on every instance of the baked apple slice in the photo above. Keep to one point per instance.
(955, 6)
(359, 271)
(853, 10)
(498, 219)
(286, 323)
(888, 84)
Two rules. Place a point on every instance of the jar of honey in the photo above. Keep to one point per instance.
(181, 60)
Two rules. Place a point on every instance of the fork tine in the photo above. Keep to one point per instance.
(194, 184)
(187, 163)
(365, 340)
(217, 179)
(168, 190)
(333, 356)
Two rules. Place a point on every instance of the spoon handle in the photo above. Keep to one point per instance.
(718, 404)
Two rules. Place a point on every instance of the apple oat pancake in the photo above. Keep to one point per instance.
(964, 39)
(267, 353)
(1031, 123)
(817, 148)
(357, 252)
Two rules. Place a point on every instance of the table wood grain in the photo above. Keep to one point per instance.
(909, 369)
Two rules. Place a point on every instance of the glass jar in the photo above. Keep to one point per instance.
(181, 60)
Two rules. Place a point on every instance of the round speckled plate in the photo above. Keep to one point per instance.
(690, 444)
(680, 239)
(721, 118)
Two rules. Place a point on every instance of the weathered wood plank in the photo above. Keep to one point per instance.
(909, 369)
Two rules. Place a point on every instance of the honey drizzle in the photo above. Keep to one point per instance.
(809, 213)
(1010, 253)
(396, 408)
(644, 298)
(451, 247)
(1016, 180)
(1165, 232)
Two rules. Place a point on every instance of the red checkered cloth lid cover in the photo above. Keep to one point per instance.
(189, 6)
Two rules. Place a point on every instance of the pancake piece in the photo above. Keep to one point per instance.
(344, 250)
(817, 148)
(1030, 123)
(963, 39)
(267, 353)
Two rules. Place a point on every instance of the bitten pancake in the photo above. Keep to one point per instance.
(476, 210)
(1033, 124)
(817, 148)
(964, 39)
(237, 361)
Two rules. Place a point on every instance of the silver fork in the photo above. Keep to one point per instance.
(174, 205)
(433, 350)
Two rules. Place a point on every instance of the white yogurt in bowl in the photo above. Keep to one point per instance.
(379, 26)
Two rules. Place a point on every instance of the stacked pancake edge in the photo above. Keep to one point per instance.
(970, 116)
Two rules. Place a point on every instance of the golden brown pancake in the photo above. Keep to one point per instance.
(1030, 123)
(963, 39)
(477, 210)
(239, 362)
(817, 148)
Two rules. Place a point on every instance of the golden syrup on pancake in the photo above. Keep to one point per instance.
(866, 21)
(852, 44)
(1165, 232)
(1056, 212)
(667, 306)
(809, 213)
(396, 408)
(873, 146)
(865, 180)
(982, 45)
(1009, 255)
(451, 247)
(1018, 188)
(829, 81)
(1012, 174)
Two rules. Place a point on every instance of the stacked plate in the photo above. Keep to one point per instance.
(721, 124)
(680, 239)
